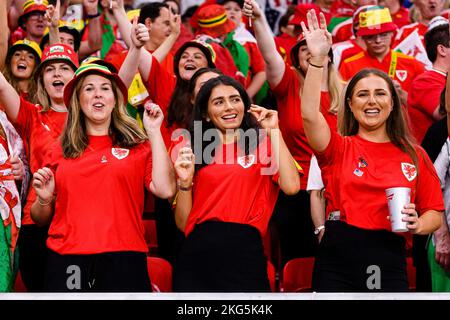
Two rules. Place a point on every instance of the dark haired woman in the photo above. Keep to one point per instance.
(228, 190)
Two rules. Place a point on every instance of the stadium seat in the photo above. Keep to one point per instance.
(271, 273)
(297, 275)
(18, 285)
(160, 273)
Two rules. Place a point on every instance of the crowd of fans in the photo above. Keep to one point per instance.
(249, 130)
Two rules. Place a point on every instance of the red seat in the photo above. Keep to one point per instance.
(411, 272)
(297, 275)
(18, 285)
(160, 273)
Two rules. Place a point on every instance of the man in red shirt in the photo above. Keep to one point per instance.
(377, 29)
(423, 100)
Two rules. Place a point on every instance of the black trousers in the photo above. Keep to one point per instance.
(104, 272)
(222, 257)
(33, 256)
(293, 226)
(352, 259)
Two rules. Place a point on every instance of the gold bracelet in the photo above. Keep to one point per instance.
(314, 65)
(43, 204)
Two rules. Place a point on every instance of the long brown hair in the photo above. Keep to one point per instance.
(396, 124)
(14, 81)
(123, 129)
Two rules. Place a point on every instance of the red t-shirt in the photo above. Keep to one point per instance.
(423, 99)
(361, 170)
(284, 45)
(236, 188)
(287, 93)
(160, 86)
(100, 198)
(407, 68)
(40, 131)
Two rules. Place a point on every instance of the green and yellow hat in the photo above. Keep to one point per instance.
(29, 45)
(92, 68)
(374, 20)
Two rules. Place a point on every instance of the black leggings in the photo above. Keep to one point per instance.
(352, 259)
(222, 257)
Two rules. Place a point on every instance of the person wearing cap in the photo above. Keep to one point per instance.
(21, 63)
(215, 28)
(373, 152)
(292, 215)
(423, 98)
(39, 126)
(428, 9)
(377, 30)
(256, 76)
(32, 19)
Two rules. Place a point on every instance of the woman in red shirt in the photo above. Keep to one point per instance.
(228, 190)
(93, 190)
(374, 153)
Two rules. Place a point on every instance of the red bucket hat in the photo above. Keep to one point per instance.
(58, 52)
(92, 68)
(300, 12)
(213, 21)
(31, 6)
(375, 20)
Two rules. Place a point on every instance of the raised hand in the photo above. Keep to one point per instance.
(268, 119)
(153, 117)
(18, 169)
(184, 167)
(117, 4)
(318, 39)
(52, 15)
(139, 34)
(175, 23)
(44, 184)
(251, 9)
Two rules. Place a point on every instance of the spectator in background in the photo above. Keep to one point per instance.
(20, 66)
(399, 14)
(256, 75)
(32, 21)
(292, 216)
(423, 98)
(287, 37)
(377, 30)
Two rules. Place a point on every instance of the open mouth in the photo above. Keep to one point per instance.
(372, 112)
(98, 105)
(22, 66)
(58, 84)
(190, 67)
(229, 117)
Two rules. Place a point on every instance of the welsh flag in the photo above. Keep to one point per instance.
(413, 46)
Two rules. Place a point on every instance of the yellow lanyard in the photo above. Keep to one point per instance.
(393, 65)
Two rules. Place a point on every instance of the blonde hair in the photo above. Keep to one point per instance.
(334, 86)
(123, 129)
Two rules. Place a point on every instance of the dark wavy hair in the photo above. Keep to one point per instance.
(201, 110)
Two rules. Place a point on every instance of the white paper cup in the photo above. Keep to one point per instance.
(397, 198)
